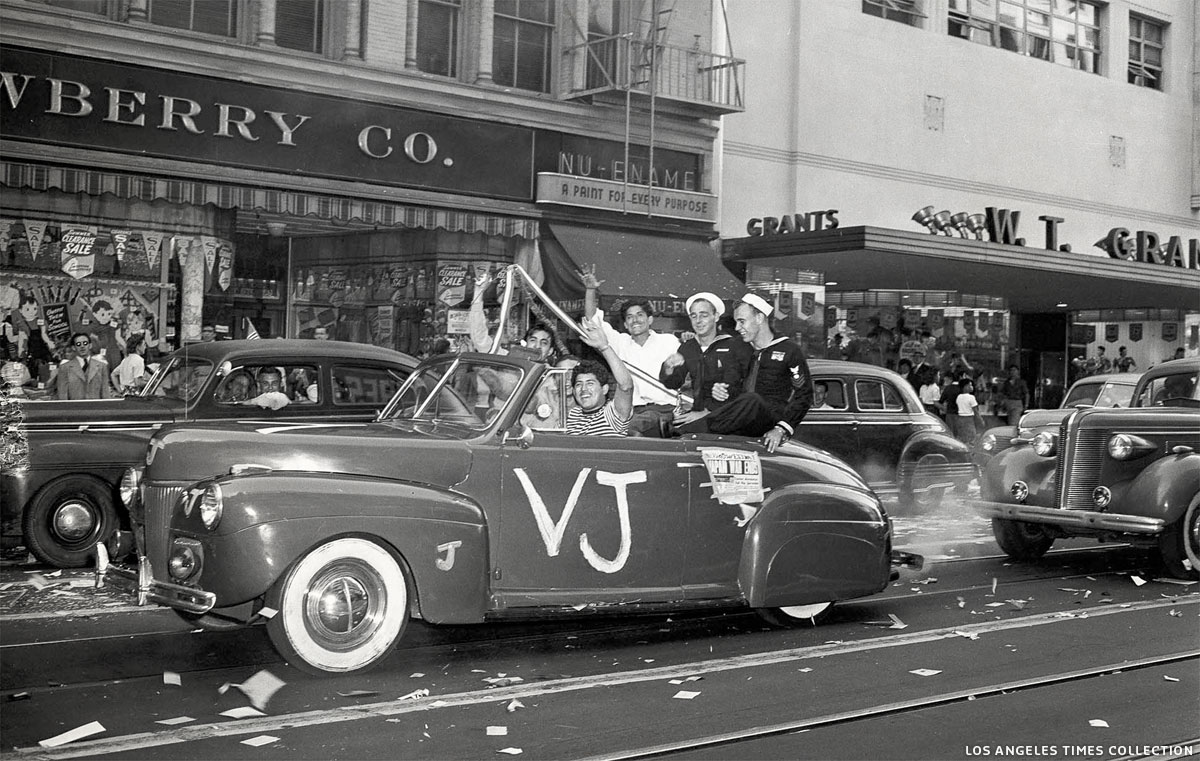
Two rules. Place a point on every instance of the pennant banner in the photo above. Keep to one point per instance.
(1112, 332)
(153, 241)
(1135, 331)
(34, 230)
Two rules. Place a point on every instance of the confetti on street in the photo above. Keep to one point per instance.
(256, 742)
(174, 721)
(242, 712)
(511, 751)
(170, 677)
(71, 735)
(685, 695)
(513, 705)
(1097, 723)
(1137, 580)
(496, 731)
(260, 688)
(924, 672)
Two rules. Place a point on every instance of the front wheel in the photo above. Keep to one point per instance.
(341, 608)
(790, 616)
(1179, 545)
(928, 486)
(67, 519)
(1021, 540)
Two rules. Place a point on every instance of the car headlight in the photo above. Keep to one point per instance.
(131, 479)
(211, 506)
(1125, 447)
(1045, 444)
(988, 442)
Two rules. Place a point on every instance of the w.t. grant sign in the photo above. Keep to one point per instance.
(50, 98)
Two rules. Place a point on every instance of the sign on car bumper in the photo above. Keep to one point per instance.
(1077, 519)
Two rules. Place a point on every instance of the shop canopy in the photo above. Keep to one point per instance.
(1031, 280)
(633, 264)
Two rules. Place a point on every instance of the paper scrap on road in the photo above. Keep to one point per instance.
(994, 583)
(805, 670)
(357, 693)
(994, 605)
(930, 580)
(267, 612)
(513, 705)
(174, 721)
(1097, 723)
(242, 712)
(961, 602)
(81, 583)
(71, 735)
(1169, 678)
(39, 582)
(256, 742)
(1138, 580)
(924, 672)
(260, 688)
(1175, 613)
(1018, 604)
(416, 675)
(685, 695)
(511, 751)
(502, 681)
(896, 622)
(1181, 582)
(414, 695)
(968, 635)
(497, 731)
(170, 677)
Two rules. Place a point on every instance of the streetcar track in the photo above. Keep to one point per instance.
(391, 708)
(903, 706)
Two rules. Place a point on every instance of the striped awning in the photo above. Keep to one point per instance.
(275, 204)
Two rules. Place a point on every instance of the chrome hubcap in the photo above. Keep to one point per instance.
(74, 520)
(344, 605)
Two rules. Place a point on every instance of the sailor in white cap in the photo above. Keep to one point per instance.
(711, 359)
(779, 389)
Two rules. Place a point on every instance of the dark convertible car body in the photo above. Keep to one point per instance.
(455, 512)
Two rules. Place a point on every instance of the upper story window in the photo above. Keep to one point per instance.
(299, 24)
(207, 16)
(438, 36)
(521, 49)
(100, 7)
(904, 11)
(1066, 32)
(1146, 52)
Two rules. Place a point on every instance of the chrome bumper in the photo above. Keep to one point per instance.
(1089, 520)
(140, 583)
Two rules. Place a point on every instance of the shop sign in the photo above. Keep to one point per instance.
(1112, 332)
(570, 190)
(58, 321)
(1145, 247)
(78, 261)
(104, 105)
(825, 219)
(1170, 331)
(452, 283)
(595, 159)
(1135, 331)
(808, 303)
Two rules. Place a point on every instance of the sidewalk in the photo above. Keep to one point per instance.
(31, 589)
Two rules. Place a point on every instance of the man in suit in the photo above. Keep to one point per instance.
(83, 376)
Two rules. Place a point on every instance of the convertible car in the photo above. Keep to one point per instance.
(66, 500)
(456, 510)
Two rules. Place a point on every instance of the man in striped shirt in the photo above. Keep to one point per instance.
(591, 381)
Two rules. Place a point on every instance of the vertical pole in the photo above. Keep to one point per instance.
(289, 304)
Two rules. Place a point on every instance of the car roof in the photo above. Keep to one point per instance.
(1172, 367)
(235, 351)
(842, 367)
(1129, 379)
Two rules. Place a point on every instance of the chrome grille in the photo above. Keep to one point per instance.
(1079, 461)
(161, 502)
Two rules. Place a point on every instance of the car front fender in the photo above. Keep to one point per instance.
(1020, 463)
(271, 520)
(1164, 489)
(958, 456)
(815, 542)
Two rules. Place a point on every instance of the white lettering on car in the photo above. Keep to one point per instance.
(552, 531)
(446, 563)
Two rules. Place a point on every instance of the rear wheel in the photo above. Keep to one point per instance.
(1021, 540)
(341, 608)
(1179, 545)
(67, 519)
(798, 615)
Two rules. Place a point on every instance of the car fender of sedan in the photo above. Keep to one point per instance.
(450, 510)
(874, 420)
(66, 501)
(1127, 474)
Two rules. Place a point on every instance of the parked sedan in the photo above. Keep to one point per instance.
(1125, 474)
(1106, 390)
(453, 510)
(65, 501)
(873, 419)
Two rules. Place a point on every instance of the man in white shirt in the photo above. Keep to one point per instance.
(642, 348)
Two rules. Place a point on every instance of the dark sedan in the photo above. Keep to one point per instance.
(65, 501)
(872, 419)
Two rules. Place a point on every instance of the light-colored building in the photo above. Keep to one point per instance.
(1086, 113)
(294, 164)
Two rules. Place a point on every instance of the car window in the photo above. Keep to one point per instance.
(1169, 389)
(180, 379)
(547, 408)
(356, 384)
(874, 395)
(235, 388)
(1081, 393)
(829, 394)
(1115, 395)
(455, 391)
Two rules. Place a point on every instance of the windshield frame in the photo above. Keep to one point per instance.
(154, 387)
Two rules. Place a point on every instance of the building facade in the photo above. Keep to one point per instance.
(279, 166)
(1019, 178)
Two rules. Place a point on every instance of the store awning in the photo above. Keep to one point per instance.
(1030, 279)
(633, 264)
(258, 205)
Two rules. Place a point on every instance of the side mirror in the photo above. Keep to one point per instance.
(523, 437)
